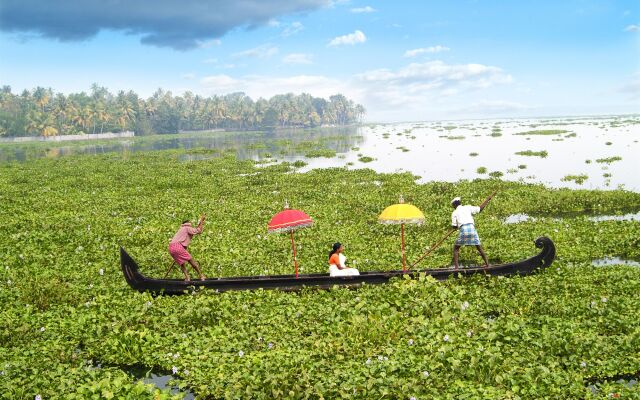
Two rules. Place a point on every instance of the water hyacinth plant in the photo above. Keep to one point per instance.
(505, 337)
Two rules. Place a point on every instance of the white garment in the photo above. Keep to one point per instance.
(462, 215)
(335, 271)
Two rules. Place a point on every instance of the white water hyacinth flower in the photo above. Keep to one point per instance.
(174, 370)
(469, 334)
(446, 338)
(368, 361)
(380, 358)
(425, 374)
(270, 345)
(412, 398)
(604, 299)
(42, 329)
(464, 305)
(410, 341)
(176, 355)
(583, 364)
(241, 353)
(101, 271)
(9, 282)
(38, 397)
(186, 372)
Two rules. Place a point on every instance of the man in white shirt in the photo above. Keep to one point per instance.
(462, 219)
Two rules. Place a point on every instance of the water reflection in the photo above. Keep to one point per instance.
(246, 145)
(521, 217)
(593, 153)
(606, 261)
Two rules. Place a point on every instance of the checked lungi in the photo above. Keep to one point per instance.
(468, 236)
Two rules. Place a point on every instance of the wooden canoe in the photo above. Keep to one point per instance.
(142, 283)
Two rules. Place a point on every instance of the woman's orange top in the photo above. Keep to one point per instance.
(334, 259)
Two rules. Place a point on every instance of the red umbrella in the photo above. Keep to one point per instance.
(288, 221)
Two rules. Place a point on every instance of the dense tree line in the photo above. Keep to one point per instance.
(43, 112)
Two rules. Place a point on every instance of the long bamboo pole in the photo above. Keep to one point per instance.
(404, 258)
(295, 258)
(435, 246)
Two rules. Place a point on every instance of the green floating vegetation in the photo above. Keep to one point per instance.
(366, 159)
(71, 328)
(481, 170)
(522, 166)
(327, 153)
(608, 160)
(543, 132)
(531, 153)
(608, 143)
(495, 174)
(571, 135)
(404, 149)
(459, 137)
(578, 179)
(473, 154)
(299, 163)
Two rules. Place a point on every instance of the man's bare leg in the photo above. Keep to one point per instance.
(456, 252)
(186, 274)
(484, 256)
(196, 266)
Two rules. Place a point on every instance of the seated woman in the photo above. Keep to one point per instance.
(337, 260)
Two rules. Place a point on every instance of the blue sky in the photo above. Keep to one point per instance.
(403, 60)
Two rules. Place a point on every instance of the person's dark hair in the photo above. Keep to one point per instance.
(185, 221)
(456, 203)
(335, 248)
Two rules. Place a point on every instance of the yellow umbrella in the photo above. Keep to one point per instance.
(401, 214)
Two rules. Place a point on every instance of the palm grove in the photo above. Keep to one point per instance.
(42, 112)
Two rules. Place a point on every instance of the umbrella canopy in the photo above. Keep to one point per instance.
(289, 220)
(401, 214)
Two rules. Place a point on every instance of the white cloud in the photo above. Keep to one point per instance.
(262, 51)
(418, 90)
(292, 29)
(266, 86)
(298, 58)
(422, 50)
(495, 107)
(351, 39)
(188, 76)
(205, 44)
(363, 10)
(632, 28)
(274, 23)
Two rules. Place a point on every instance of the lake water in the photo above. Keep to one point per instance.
(443, 151)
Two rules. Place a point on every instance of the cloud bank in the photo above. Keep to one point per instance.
(178, 24)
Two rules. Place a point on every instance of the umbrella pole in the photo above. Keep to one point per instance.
(295, 259)
(404, 259)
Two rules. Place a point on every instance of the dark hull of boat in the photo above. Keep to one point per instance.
(289, 282)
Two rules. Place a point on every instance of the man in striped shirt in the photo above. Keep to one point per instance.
(462, 219)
